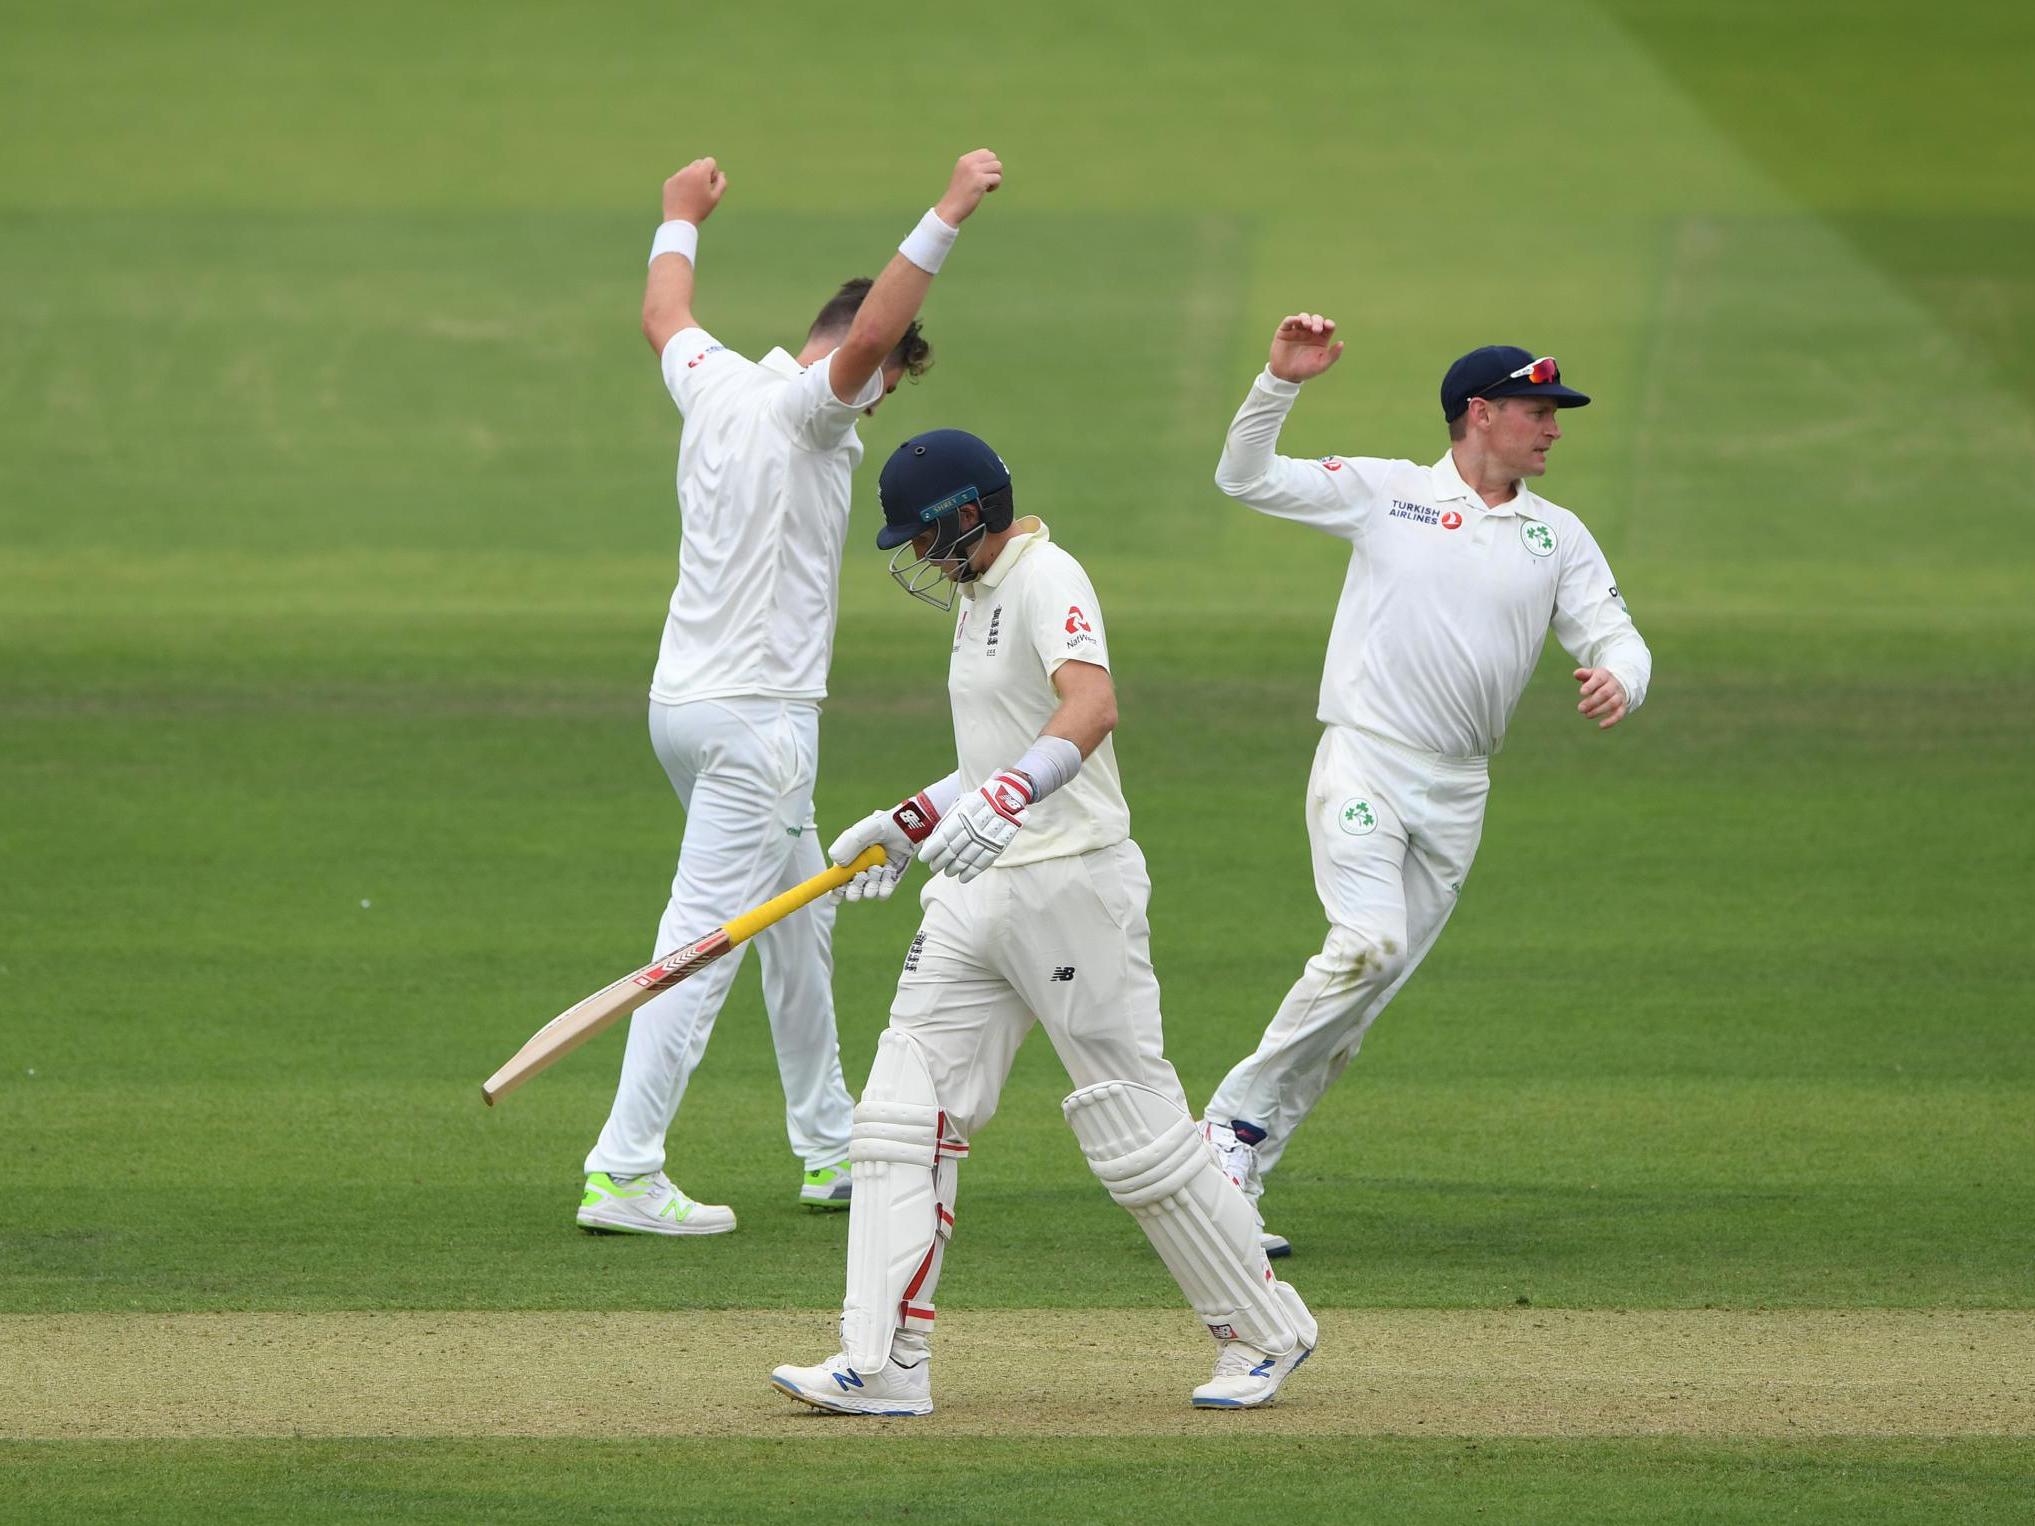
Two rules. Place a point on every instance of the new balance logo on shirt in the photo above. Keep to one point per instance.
(1064, 972)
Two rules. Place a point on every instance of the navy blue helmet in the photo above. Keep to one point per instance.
(929, 477)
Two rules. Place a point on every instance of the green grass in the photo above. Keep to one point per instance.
(887, 1477)
(335, 524)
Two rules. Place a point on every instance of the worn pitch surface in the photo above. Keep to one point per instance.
(1525, 1372)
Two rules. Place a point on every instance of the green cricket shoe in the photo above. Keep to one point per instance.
(647, 1205)
(828, 1188)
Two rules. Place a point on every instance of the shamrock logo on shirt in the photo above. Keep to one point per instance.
(1539, 539)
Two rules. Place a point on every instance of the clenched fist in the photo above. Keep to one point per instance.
(1304, 347)
(975, 176)
(692, 194)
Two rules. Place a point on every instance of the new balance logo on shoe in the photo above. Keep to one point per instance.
(847, 1380)
(1064, 972)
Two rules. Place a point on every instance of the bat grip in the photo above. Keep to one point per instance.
(741, 929)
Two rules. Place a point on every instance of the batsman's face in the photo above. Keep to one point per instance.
(1522, 431)
(952, 566)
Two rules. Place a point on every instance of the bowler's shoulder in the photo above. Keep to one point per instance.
(690, 349)
(699, 369)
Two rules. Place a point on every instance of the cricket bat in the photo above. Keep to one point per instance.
(609, 1005)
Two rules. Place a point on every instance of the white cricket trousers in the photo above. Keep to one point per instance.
(1062, 941)
(1393, 831)
(744, 771)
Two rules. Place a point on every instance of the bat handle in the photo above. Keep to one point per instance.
(750, 923)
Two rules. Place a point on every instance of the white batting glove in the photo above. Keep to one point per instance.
(973, 835)
(899, 831)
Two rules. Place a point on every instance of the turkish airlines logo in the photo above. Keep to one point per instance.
(1330, 463)
(1076, 621)
(1451, 520)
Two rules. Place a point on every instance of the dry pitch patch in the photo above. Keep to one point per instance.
(1525, 1372)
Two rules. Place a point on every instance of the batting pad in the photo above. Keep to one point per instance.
(902, 1209)
(1153, 1160)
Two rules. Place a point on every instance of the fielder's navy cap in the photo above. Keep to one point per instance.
(1504, 370)
(929, 477)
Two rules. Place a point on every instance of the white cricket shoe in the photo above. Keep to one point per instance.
(647, 1205)
(1246, 1377)
(1239, 1162)
(838, 1388)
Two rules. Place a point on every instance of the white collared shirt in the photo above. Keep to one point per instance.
(1447, 602)
(764, 468)
(1033, 610)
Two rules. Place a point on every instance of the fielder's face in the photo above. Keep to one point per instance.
(1522, 430)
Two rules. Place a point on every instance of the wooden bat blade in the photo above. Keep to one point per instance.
(609, 1005)
(601, 1011)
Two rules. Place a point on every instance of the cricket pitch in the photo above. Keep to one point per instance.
(1513, 1372)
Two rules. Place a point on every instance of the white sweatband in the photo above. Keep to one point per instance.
(928, 243)
(677, 237)
(1049, 763)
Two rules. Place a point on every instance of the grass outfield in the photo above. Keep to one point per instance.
(889, 1476)
(335, 526)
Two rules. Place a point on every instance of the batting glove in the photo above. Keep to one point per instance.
(973, 835)
(899, 831)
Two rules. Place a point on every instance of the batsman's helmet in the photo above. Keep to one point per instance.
(929, 477)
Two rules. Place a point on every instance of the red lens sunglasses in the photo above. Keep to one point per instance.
(1539, 372)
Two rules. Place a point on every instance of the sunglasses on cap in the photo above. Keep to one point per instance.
(1539, 372)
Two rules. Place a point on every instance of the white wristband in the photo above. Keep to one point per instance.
(677, 237)
(928, 243)
(1049, 763)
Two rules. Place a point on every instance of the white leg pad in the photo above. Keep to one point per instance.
(903, 1208)
(1153, 1160)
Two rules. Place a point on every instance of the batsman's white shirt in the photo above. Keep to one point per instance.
(1447, 601)
(764, 468)
(1031, 611)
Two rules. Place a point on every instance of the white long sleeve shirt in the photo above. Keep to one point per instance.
(764, 470)
(1447, 601)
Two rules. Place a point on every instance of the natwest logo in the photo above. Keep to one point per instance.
(1451, 520)
(1076, 621)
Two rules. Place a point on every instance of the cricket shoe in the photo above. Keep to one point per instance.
(1246, 1377)
(647, 1205)
(1239, 1162)
(839, 1389)
(828, 1188)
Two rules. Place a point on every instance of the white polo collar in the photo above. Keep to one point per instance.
(1013, 550)
(1448, 483)
(781, 364)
